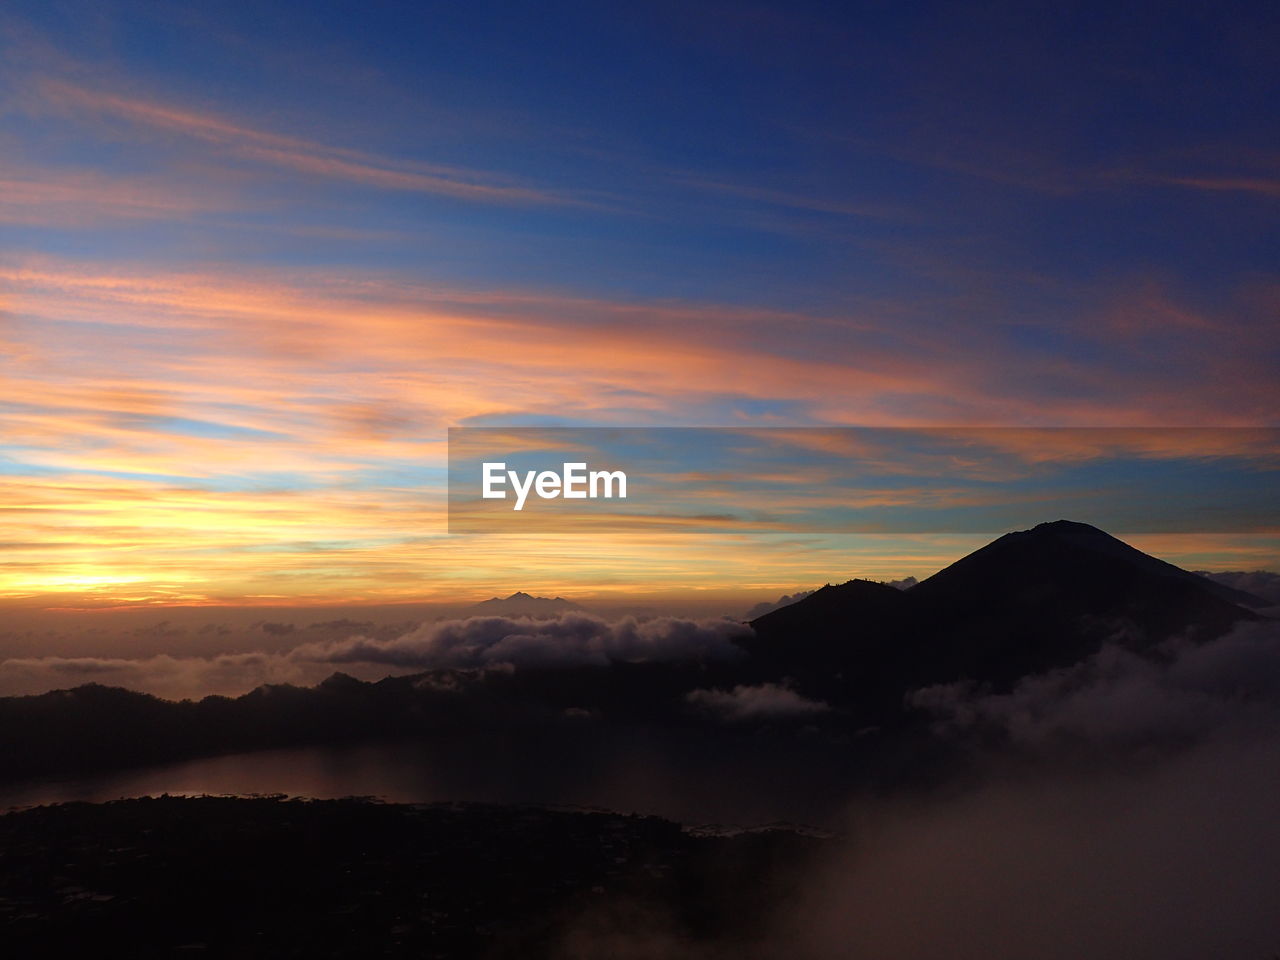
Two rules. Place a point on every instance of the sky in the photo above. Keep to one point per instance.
(257, 258)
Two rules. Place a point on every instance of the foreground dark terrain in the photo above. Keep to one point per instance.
(265, 877)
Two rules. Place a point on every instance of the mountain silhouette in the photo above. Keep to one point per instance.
(521, 604)
(1026, 602)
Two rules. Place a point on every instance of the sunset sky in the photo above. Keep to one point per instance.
(256, 261)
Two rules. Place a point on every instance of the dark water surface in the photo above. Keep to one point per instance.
(697, 778)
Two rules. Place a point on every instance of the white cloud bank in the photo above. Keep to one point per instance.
(1117, 697)
(572, 639)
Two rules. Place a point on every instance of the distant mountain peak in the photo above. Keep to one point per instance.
(1083, 534)
(338, 682)
(1073, 534)
(522, 604)
(1073, 530)
(1069, 525)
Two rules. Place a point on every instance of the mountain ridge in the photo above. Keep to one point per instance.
(1028, 601)
(521, 604)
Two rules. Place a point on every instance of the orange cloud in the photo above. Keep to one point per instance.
(512, 348)
(199, 436)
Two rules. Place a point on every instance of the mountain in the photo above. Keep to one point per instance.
(521, 604)
(1026, 602)
(94, 727)
(768, 606)
(760, 609)
(841, 617)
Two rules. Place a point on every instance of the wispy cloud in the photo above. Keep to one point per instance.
(76, 198)
(1260, 186)
(816, 201)
(299, 155)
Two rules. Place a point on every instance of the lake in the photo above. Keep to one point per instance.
(690, 777)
